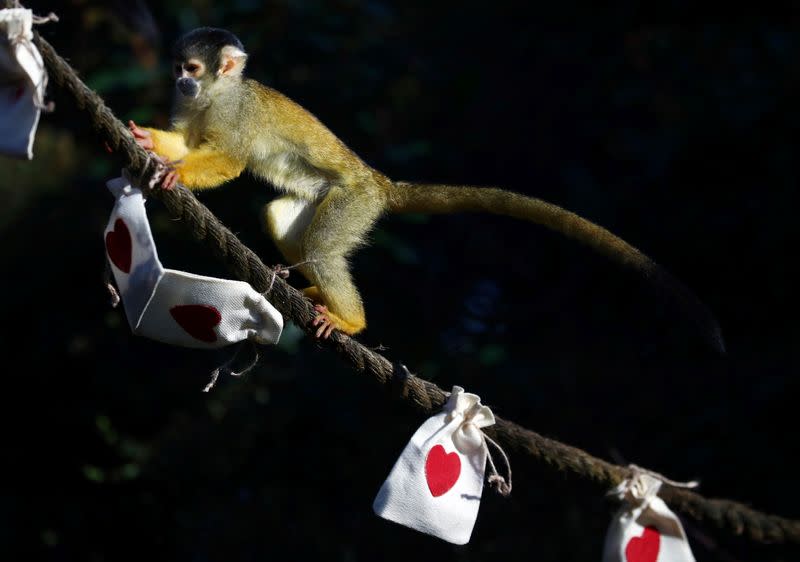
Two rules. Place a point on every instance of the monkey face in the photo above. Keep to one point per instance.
(203, 51)
(188, 75)
(203, 58)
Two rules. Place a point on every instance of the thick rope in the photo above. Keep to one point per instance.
(425, 396)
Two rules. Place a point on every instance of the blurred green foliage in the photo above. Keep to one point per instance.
(682, 140)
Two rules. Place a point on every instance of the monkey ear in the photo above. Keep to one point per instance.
(232, 61)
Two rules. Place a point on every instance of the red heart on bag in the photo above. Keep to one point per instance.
(198, 320)
(441, 470)
(119, 246)
(644, 548)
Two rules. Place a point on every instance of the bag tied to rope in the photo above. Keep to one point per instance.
(176, 307)
(645, 529)
(435, 486)
(23, 80)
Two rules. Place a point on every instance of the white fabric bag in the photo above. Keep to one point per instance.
(645, 529)
(435, 486)
(176, 307)
(22, 83)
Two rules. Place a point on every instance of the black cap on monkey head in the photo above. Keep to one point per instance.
(205, 43)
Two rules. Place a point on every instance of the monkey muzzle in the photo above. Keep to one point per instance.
(188, 87)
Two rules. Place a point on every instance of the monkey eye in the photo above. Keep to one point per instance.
(178, 68)
(192, 67)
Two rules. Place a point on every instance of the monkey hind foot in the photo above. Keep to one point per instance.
(326, 321)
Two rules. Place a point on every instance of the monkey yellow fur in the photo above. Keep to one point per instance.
(225, 123)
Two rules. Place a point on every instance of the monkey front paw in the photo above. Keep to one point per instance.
(324, 321)
(143, 138)
(165, 175)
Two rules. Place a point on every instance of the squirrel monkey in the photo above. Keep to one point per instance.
(224, 123)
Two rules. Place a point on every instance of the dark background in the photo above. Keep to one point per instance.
(682, 140)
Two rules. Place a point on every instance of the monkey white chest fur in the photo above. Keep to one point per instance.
(288, 172)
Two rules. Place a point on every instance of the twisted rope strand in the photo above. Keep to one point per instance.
(243, 263)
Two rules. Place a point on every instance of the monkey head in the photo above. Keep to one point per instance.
(204, 59)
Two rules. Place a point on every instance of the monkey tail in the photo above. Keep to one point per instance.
(405, 197)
